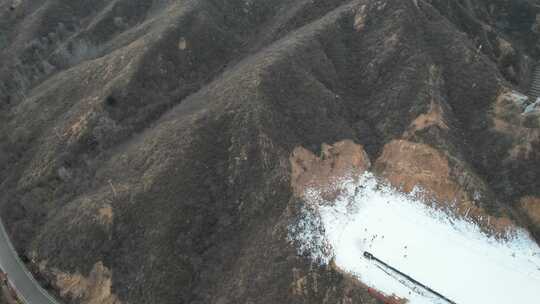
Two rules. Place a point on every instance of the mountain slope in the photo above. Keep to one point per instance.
(145, 145)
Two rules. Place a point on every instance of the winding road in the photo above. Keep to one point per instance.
(28, 289)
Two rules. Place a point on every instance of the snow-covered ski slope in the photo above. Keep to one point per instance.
(448, 254)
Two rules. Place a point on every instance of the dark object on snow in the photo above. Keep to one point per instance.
(370, 256)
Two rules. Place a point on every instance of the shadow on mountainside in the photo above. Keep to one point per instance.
(145, 145)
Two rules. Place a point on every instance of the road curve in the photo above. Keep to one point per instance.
(28, 289)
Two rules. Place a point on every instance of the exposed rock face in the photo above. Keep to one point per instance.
(148, 148)
(443, 180)
(337, 162)
(95, 289)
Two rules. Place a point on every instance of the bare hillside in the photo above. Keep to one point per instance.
(149, 150)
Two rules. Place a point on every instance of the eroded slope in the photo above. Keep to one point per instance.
(145, 145)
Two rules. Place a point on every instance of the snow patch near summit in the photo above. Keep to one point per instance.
(449, 254)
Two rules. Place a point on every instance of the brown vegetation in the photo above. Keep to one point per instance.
(165, 141)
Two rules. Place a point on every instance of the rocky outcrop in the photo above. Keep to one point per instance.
(338, 162)
(94, 289)
(443, 181)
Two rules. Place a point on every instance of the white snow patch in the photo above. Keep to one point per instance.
(520, 99)
(533, 107)
(451, 255)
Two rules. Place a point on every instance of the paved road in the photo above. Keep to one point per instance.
(27, 287)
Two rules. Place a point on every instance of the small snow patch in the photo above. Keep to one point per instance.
(446, 253)
(182, 44)
(533, 107)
